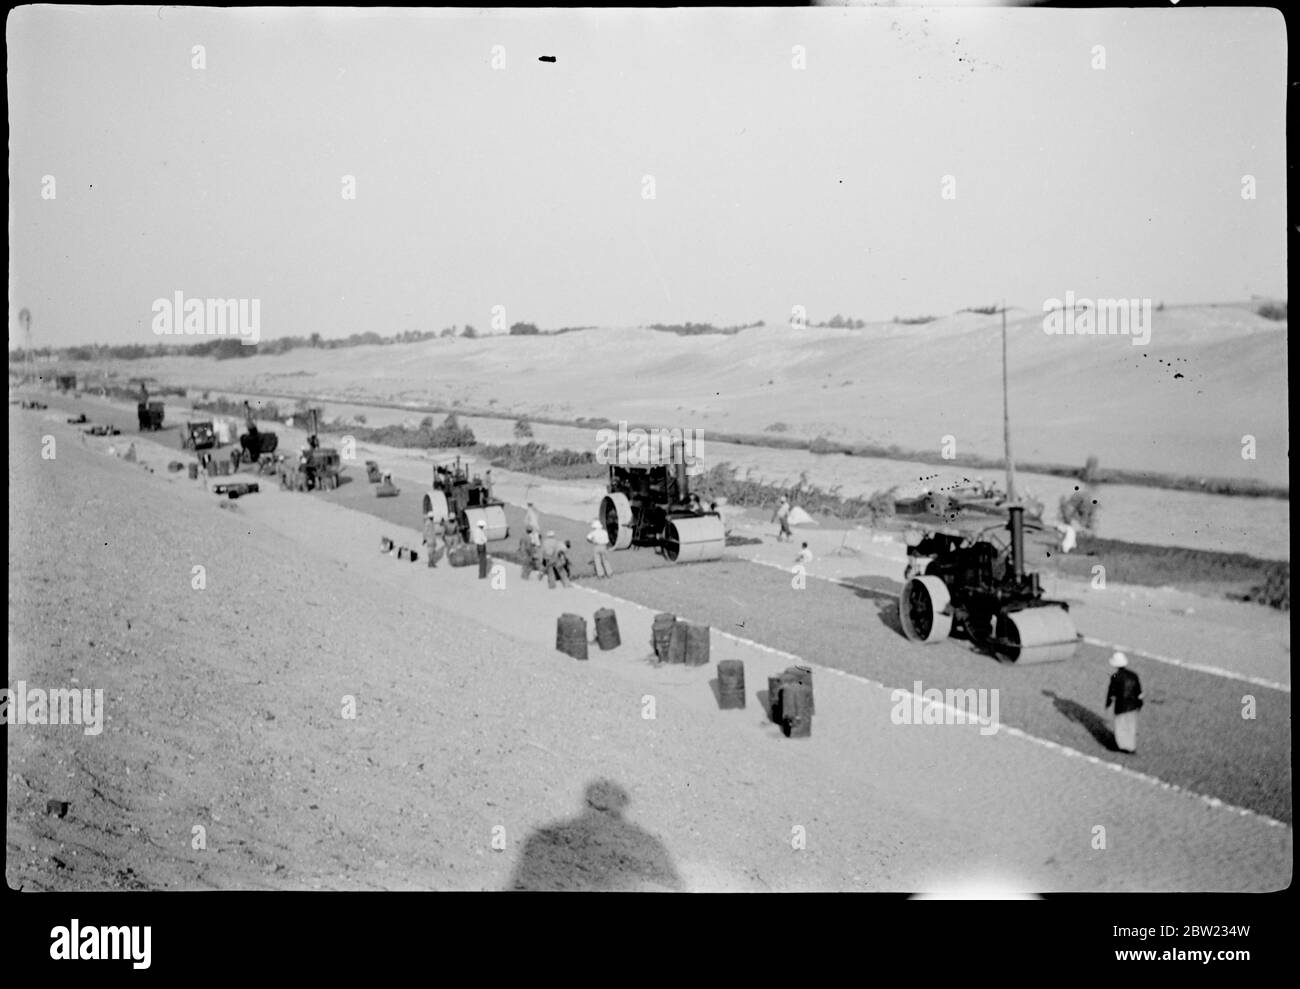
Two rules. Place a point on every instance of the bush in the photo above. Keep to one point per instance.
(524, 330)
(776, 427)
(470, 333)
(1270, 310)
(523, 431)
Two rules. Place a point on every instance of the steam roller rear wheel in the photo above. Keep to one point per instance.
(435, 501)
(694, 538)
(923, 609)
(616, 517)
(1035, 635)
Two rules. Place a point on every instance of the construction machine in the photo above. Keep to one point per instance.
(318, 467)
(198, 435)
(651, 504)
(464, 498)
(256, 447)
(978, 585)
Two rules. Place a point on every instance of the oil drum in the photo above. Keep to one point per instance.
(697, 645)
(194, 471)
(731, 684)
(677, 644)
(571, 635)
(661, 634)
(796, 709)
(607, 629)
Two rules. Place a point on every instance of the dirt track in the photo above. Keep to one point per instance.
(224, 712)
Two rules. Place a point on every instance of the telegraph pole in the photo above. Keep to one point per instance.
(1006, 414)
(25, 318)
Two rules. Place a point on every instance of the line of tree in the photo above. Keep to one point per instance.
(838, 322)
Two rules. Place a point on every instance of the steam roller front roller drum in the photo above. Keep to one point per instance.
(694, 538)
(434, 501)
(1036, 635)
(494, 516)
(923, 609)
(616, 517)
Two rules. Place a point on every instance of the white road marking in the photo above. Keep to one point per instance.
(1057, 747)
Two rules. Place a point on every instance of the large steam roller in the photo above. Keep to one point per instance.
(924, 609)
(616, 517)
(1035, 635)
(435, 501)
(693, 538)
(495, 516)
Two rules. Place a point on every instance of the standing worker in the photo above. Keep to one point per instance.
(480, 544)
(531, 522)
(1125, 692)
(550, 547)
(782, 515)
(432, 537)
(599, 540)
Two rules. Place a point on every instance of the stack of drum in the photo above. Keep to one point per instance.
(194, 471)
(462, 556)
(686, 643)
(607, 636)
(571, 635)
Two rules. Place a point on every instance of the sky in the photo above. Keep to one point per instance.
(523, 184)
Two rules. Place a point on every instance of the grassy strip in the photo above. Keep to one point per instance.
(1236, 487)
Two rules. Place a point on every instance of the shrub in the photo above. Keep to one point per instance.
(523, 431)
(1270, 310)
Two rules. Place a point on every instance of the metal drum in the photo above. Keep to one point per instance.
(661, 633)
(607, 636)
(435, 501)
(731, 684)
(697, 645)
(692, 538)
(571, 635)
(1036, 635)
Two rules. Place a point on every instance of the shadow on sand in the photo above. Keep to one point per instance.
(596, 850)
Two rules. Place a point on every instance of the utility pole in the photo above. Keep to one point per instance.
(25, 318)
(1006, 415)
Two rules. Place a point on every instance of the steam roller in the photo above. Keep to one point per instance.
(651, 505)
(978, 586)
(466, 499)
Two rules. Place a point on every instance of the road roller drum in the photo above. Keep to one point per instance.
(924, 609)
(693, 538)
(1035, 635)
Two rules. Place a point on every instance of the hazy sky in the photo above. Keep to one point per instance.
(523, 187)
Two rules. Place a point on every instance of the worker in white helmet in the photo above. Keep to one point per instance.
(1125, 693)
(480, 545)
(599, 539)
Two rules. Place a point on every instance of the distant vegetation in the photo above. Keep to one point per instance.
(699, 329)
(838, 322)
(1271, 310)
(914, 320)
(983, 310)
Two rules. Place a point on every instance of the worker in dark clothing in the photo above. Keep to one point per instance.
(480, 545)
(1125, 693)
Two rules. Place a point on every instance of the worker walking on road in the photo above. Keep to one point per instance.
(599, 540)
(1125, 692)
(480, 546)
(782, 515)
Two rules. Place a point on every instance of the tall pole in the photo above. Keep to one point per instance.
(1006, 415)
(25, 317)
